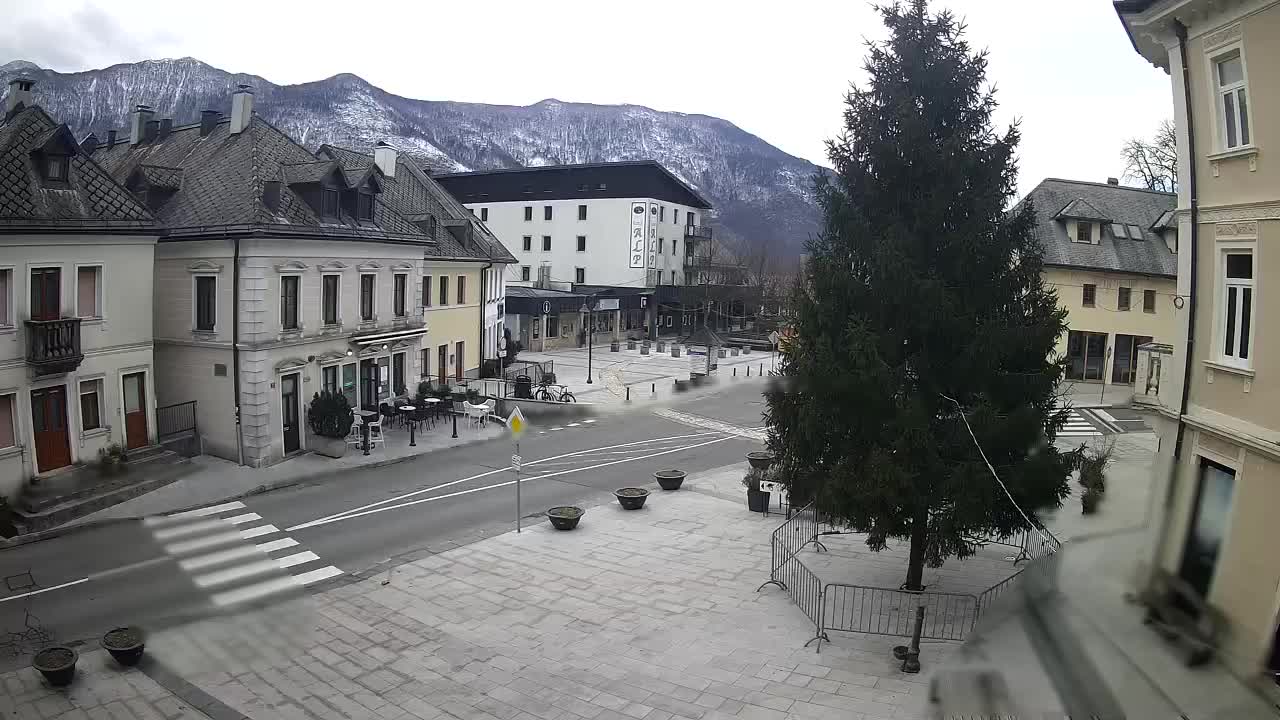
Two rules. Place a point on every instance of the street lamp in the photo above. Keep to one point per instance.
(589, 310)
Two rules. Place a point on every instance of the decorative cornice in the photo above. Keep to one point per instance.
(1218, 38)
(402, 266)
(333, 266)
(1238, 213)
(291, 266)
(204, 266)
(293, 363)
(369, 266)
(331, 357)
(1243, 230)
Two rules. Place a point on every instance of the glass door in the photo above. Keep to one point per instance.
(1208, 525)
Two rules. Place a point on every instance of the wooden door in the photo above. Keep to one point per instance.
(46, 293)
(49, 423)
(289, 412)
(135, 411)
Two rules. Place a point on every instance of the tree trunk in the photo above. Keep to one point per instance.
(915, 564)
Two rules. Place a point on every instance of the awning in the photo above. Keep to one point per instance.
(384, 337)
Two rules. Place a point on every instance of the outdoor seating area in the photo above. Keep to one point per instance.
(399, 416)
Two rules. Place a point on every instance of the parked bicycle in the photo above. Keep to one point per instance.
(554, 393)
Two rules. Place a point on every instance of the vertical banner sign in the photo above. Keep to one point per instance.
(638, 234)
(653, 235)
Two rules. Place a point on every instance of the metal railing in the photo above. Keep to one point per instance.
(697, 231)
(789, 573)
(176, 419)
(885, 611)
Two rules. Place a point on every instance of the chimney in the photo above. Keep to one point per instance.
(89, 144)
(384, 156)
(19, 96)
(138, 123)
(111, 138)
(152, 130)
(241, 109)
(208, 121)
(166, 126)
(1113, 181)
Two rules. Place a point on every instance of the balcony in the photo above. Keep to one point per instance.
(697, 232)
(53, 346)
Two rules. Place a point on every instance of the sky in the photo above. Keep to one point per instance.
(1066, 70)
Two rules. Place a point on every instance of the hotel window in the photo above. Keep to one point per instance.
(1089, 296)
(524, 273)
(426, 363)
(484, 214)
(546, 212)
(397, 372)
(444, 289)
(582, 243)
(330, 203)
(1123, 297)
(662, 213)
(329, 379)
(329, 286)
(462, 289)
(349, 383)
(426, 291)
(399, 291)
(582, 212)
(1084, 232)
(661, 244)
(1237, 307)
(90, 405)
(56, 167)
(366, 297)
(8, 434)
(1233, 102)
(528, 213)
(527, 243)
(6, 295)
(579, 275)
(364, 206)
(206, 302)
(1149, 301)
(89, 292)
(289, 302)
(546, 243)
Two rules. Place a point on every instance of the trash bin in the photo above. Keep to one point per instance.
(524, 387)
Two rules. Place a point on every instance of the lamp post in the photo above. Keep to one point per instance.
(589, 308)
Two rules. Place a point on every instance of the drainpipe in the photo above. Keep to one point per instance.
(484, 307)
(235, 344)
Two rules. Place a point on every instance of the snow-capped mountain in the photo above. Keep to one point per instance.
(759, 191)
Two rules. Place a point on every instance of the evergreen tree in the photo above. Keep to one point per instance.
(922, 286)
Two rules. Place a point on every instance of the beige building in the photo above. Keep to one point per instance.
(1218, 471)
(76, 250)
(281, 273)
(1111, 256)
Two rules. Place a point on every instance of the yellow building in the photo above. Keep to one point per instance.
(1217, 476)
(1111, 255)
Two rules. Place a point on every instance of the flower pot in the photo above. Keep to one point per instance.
(565, 517)
(57, 663)
(734, 351)
(1089, 502)
(614, 346)
(125, 645)
(757, 501)
(721, 352)
(631, 498)
(760, 460)
(675, 351)
(329, 447)
(644, 349)
(662, 346)
(631, 344)
(669, 479)
(746, 349)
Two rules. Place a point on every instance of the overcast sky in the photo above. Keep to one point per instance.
(778, 70)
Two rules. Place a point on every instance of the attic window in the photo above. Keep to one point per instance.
(1084, 232)
(56, 168)
(364, 206)
(1118, 230)
(329, 203)
(1135, 232)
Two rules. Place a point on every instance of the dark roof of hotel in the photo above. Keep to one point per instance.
(630, 179)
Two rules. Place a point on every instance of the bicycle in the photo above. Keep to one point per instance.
(554, 393)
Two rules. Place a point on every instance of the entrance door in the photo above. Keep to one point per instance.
(1208, 525)
(46, 293)
(49, 422)
(442, 363)
(1086, 355)
(1124, 366)
(458, 363)
(289, 412)
(135, 410)
(369, 384)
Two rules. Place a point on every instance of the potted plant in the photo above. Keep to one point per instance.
(125, 645)
(757, 499)
(111, 460)
(662, 346)
(565, 517)
(330, 418)
(473, 396)
(631, 498)
(614, 346)
(57, 663)
(1089, 500)
(425, 390)
(669, 479)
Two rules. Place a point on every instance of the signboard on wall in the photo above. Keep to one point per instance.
(607, 304)
(653, 235)
(639, 234)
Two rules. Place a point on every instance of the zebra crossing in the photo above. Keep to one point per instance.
(235, 555)
(1077, 426)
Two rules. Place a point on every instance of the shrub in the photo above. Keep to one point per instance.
(1093, 465)
(1089, 501)
(751, 481)
(514, 348)
(473, 396)
(329, 415)
(425, 390)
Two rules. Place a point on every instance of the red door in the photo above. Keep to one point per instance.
(46, 293)
(49, 423)
(135, 410)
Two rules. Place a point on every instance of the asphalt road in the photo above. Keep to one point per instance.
(160, 571)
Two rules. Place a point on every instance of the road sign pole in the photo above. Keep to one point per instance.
(517, 488)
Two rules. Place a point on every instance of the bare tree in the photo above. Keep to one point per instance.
(1153, 163)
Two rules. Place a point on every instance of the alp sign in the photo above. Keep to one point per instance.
(639, 233)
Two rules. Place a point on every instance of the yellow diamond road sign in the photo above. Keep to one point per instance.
(516, 422)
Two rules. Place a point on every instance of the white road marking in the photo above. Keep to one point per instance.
(556, 428)
(201, 562)
(316, 576)
(274, 545)
(255, 591)
(242, 519)
(187, 547)
(236, 574)
(574, 424)
(195, 528)
(323, 520)
(198, 512)
(297, 559)
(258, 531)
(44, 590)
(1105, 415)
(588, 421)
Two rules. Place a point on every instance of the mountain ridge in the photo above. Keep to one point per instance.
(762, 194)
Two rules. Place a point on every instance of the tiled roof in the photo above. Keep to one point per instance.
(91, 198)
(307, 172)
(161, 177)
(1111, 203)
(415, 196)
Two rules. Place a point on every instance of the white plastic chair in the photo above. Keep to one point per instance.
(353, 435)
(490, 405)
(375, 434)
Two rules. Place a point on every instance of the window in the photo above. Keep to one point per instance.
(462, 289)
(579, 275)
(1233, 103)
(582, 243)
(675, 217)
(668, 321)
(524, 273)
(1208, 529)
(90, 405)
(6, 293)
(459, 361)
(1123, 298)
(1090, 295)
(399, 291)
(546, 212)
(426, 291)
(397, 373)
(431, 226)
(1237, 307)
(289, 302)
(1149, 301)
(1118, 230)
(330, 202)
(364, 206)
(484, 214)
(582, 212)
(661, 242)
(527, 243)
(206, 302)
(329, 286)
(444, 289)
(366, 298)
(546, 243)
(426, 363)
(673, 245)
(329, 379)
(56, 167)
(1084, 232)
(8, 436)
(349, 383)
(1135, 232)
(89, 292)
(528, 213)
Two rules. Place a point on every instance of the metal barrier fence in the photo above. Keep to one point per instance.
(789, 573)
(1032, 543)
(174, 420)
(884, 611)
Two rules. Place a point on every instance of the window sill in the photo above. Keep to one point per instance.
(96, 432)
(10, 451)
(95, 320)
(1231, 369)
(204, 334)
(1235, 152)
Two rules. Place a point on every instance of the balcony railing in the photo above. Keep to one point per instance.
(53, 346)
(702, 232)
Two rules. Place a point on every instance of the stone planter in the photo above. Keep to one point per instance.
(721, 352)
(733, 351)
(662, 346)
(669, 479)
(614, 346)
(631, 344)
(125, 645)
(631, 498)
(644, 349)
(757, 501)
(675, 351)
(329, 447)
(565, 517)
(760, 460)
(57, 663)
(746, 349)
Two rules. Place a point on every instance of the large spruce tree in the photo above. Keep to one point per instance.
(922, 287)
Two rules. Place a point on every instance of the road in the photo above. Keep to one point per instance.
(259, 549)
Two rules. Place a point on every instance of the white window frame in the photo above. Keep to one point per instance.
(280, 297)
(10, 324)
(103, 425)
(580, 246)
(407, 304)
(1220, 311)
(195, 300)
(336, 366)
(337, 302)
(102, 295)
(373, 318)
(1212, 58)
(580, 272)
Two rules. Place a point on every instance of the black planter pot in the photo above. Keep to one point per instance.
(760, 460)
(631, 344)
(669, 479)
(564, 518)
(125, 645)
(614, 347)
(631, 498)
(757, 501)
(57, 663)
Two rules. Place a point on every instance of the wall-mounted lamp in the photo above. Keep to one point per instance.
(349, 352)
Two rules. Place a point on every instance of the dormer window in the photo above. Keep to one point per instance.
(1084, 232)
(329, 202)
(57, 168)
(364, 206)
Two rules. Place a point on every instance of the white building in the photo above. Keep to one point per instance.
(76, 254)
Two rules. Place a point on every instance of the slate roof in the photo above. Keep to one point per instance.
(1080, 209)
(90, 200)
(416, 196)
(624, 179)
(1112, 204)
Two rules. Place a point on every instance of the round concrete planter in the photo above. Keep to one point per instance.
(733, 351)
(721, 352)
(57, 663)
(125, 645)
(565, 517)
(631, 498)
(760, 460)
(746, 349)
(675, 351)
(669, 479)
(631, 344)
(614, 346)
(329, 447)
(662, 346)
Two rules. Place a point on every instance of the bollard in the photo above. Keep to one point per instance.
(455, 424)
(748, 371)
(628, 393)
(364, 434)
(653, 388)
(412, 425)
(735, 372)
(761, 371)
